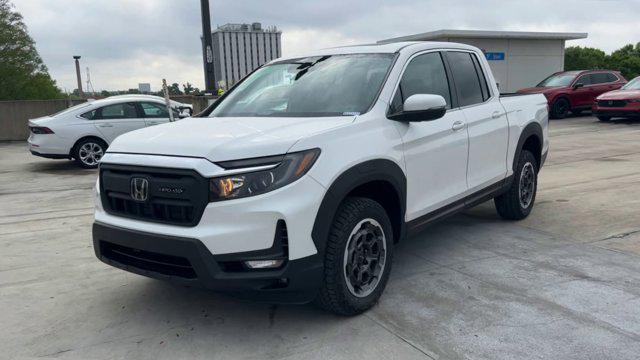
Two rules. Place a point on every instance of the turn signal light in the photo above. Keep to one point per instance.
(263, 264)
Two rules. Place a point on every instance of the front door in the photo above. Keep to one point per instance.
(435, 151)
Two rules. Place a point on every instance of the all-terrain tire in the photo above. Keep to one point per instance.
(335, 295)
(510, 205)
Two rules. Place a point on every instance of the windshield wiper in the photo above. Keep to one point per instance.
(305, 66)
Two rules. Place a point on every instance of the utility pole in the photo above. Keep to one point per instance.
(207, 48)
(80, 92)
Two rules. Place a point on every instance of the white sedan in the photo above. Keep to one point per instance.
(83, 132)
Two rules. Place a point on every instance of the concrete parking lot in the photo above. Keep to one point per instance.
(562, 284)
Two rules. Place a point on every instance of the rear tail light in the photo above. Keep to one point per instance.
(40, 130)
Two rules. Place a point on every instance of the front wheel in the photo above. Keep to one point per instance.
(88, 152)
(357, 259)
(517, 202)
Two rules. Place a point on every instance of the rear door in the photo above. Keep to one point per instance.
(116, 119)
(486, 121)
(602, 82)
(154, 113)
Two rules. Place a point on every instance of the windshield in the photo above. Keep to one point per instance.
(318, 86)
(633, 84)
(561, 79)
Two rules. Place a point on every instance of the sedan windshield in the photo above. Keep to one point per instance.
(336, 85)
(561, 79)
(633, 84)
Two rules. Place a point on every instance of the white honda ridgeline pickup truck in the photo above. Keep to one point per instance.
(297, 184)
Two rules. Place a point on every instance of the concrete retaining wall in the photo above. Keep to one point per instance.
(14, 115)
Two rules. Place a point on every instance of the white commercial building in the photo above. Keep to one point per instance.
(238, 49)
(518, 59)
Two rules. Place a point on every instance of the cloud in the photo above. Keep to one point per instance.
(129, 41)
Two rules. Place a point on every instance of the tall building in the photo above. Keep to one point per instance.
(238, 49)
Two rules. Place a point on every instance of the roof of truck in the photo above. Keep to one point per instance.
(388, 48)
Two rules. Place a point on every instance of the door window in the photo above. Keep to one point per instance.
(425, 74)
(152, 110)
(600, 78)
(585, 80)
(115, 111)
(466, 77)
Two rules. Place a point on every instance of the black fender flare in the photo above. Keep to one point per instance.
(531, 129)
(368, 171)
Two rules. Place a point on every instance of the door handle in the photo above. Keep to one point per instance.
(105, 125)
(496, 115)
(458, 125)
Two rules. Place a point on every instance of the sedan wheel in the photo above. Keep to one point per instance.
(89, 153)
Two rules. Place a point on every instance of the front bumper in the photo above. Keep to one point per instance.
(630, 113)
(187, 261)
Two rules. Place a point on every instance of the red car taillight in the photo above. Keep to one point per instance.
(40, 130)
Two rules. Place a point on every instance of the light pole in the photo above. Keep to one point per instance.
(207, 48)
(80, 92)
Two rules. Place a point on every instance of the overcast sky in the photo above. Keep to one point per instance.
(125, 42)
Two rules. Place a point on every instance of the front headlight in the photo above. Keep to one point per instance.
(291, 168)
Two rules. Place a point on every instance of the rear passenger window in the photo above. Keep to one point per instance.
(486, 93)
(425, 74)
(599, 78)
(585, 80)
(611, 77)
(466, 78)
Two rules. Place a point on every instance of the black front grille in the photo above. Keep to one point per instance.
(612, 103)
(174, 196)
(146, 260)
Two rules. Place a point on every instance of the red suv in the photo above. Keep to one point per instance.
(575, 91)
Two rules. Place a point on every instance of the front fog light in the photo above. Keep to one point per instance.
(263, 264)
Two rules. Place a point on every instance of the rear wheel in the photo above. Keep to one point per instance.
(560, 108)
(357, 258)
(88, 152)
(604, 118)
(517, 202)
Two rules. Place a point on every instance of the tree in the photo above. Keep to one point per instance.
(626, 59)
(188, 88)
(584, 58)
(24, 75)
(174, 89)
(105, 93)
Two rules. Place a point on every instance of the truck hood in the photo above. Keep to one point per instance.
(225, 138)
(620, 95)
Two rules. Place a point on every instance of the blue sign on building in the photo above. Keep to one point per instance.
(494, 56)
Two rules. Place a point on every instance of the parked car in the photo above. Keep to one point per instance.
(307, 173)
(619, 103)
(575, 91)
(83, 132)
(184, 109)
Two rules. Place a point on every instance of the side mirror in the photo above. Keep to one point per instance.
(577, 85)
(184, 114)
(421, 107)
